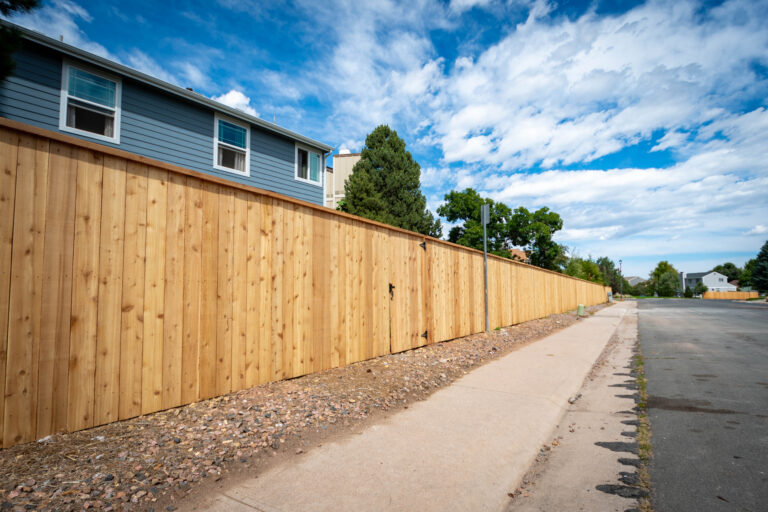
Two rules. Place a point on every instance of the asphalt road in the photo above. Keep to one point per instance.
(706, 362)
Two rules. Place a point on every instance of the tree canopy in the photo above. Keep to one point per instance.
(729, 270)
(532, 231)
(665, 280)
(584, 269)
(465, 206)
(10, 39)
(760, 270)
(385, 185)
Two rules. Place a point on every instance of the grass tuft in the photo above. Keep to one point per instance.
(643, 430)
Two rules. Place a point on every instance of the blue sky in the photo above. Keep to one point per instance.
(644, 124)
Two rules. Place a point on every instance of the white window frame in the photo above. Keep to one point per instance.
(216, 142)
(64, 100)
(319, 183)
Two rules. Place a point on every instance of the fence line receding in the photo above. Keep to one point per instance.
(128, 287)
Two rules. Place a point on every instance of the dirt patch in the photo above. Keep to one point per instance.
(152, 461)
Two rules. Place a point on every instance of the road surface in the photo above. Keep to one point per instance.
(706, 362)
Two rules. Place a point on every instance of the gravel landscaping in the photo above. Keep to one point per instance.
(150, 462)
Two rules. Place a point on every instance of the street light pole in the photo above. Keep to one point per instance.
(621, 282)
(485, 217)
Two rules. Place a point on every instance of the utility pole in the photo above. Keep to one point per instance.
(485, 215)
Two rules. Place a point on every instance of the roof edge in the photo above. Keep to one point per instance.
(198, 98)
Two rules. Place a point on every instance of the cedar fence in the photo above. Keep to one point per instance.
(729, 295)
(128, 286)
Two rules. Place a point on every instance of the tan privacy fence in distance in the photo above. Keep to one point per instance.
(128, 286)
(730, 295)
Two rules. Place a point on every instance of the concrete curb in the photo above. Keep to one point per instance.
(464, 448)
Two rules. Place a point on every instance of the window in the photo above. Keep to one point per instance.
(231, 143)
(308, 166)
(90, 104)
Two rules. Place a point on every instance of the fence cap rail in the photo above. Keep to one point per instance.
(68, 139)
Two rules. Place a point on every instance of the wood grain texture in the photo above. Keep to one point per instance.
(193, 241)
(173, 314)
(25, 311)
(111, 247)
(9, 147)
(57, 291)
(154, 292)
(85, 291)
(132, 309)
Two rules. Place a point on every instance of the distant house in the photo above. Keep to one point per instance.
(520, 255)
(338, 175)
(714, 281)
(61, 88)
(635, 280)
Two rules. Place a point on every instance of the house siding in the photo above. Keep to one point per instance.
(153, 124)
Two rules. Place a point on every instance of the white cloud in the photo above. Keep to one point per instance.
(238, 100)
(146, 64)
(760, 229)
(60, 20)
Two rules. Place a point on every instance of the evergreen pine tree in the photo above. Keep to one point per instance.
(385, 186)
(760, 271)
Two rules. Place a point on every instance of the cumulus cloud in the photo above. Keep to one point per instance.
(61, 19)
(238, 100)
(760, 229)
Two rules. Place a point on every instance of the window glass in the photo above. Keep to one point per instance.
(92, 88)
(232, 134)
(303, 163)
(314, 167)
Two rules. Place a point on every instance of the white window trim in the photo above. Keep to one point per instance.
(64, 96)
(216, 142)
(320, 183)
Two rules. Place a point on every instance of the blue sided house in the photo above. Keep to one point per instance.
(62, 88)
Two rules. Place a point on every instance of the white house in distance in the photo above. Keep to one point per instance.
(714, 281)
(336, 176)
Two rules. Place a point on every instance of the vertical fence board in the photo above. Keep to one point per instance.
(322, 296)
(254, 294)
(85, 289)
(193, 239)
(132, 319)
(9, 147)
(208, 298)
(266, 289)
(25, 297)
(224, 286)
(111, 248)
(57, 292)
(240, 290)
(279, 301)
(173, 315)
(154, 292)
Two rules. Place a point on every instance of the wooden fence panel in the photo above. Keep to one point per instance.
(730, 295)
(127, 288)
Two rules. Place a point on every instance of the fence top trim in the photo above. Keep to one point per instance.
(120, 153)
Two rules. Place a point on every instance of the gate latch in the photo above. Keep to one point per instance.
(391, 291)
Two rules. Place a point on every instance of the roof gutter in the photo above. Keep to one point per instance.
(160, 84)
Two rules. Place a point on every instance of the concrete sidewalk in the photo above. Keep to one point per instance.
(464, 448)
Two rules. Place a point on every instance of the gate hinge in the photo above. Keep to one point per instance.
(425, 334)
(423, 245)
